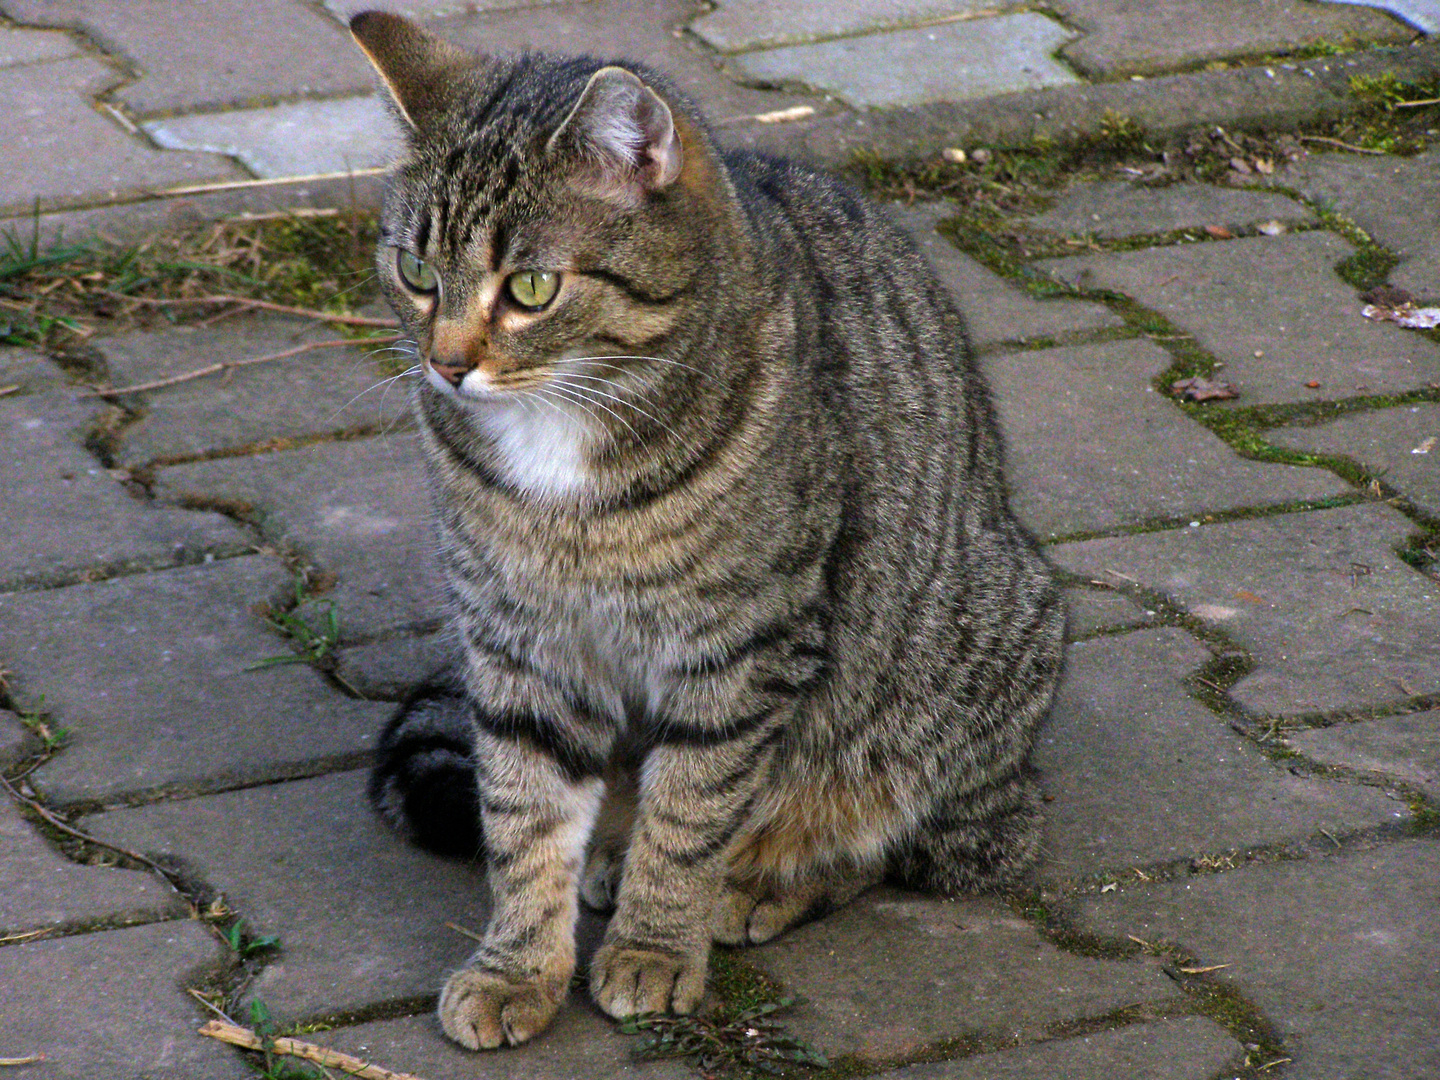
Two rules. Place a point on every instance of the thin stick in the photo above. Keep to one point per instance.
(1342, 145)
(31, 1060)
(1417, 104)
(263, 305)
(239, 1036)
(225, 365)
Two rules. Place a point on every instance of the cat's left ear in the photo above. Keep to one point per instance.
(416, 66)
(625, 132)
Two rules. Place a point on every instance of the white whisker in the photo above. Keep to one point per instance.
(610, 382)
(383, 382)
(579, 394)
(656, 359)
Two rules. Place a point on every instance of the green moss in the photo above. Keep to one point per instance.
(739, 985)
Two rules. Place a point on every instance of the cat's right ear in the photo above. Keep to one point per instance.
(625, 134)
(416, 66)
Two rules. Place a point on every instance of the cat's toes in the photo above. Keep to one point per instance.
(600, 883)
(483, 1009)
(732, 917)
(626, 980)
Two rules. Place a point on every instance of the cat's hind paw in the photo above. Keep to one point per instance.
(628, 980)
(484, 1010)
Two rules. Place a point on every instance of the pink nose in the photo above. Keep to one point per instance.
(451, 373)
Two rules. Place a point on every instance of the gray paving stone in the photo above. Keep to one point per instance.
(1394, 199)
(945, 62)
(1111, 208)
(66, 515)
(1190, 1048)
(578, 1043)
(149, 674)
(41, 888)
(1404, 746)
(19, 46)
(360, 915)
(737, 25)
(114, 1005)
(1092, 446)
(1332, 616)
(995, 311)
(1140, 773)
(16, 740)
(895, 971)
(1124, 38)
(226, 55)
(357, 509)
(651, 32)
(1275, 296)
(1400, 444)
(389, 669)
(1421, 14)
(58, 146)
(1094, 612)
(295, 139)
(429, 9)
(28, 371)
(328, 390)
(1339, 952)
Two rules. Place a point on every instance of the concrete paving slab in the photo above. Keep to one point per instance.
(578, 1043)
(651, 32)
(1337, 952)
(1139, 772)
(995, 311)
(24, 371)
(895, 971)
(114, 1005)
(388, 670)
(1332, 616)
(1092, 446)
(1273, 310)
(946, 62)
(226, 56)
(1189, 1048)
(149, 674)
(1407, 747)
(1394, 199)
(62, 149)
(66, 515)
(738, 25)
(1421, 14)
(357, 509)
(16, 740)
(1094, 612)
(1127, 39)
(314, 393)
(40, 888)
(295, 139)
(360, 914)
(19, 46)
(1113, 209)
(1400, 444)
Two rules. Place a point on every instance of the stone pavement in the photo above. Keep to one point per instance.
(1243, 769)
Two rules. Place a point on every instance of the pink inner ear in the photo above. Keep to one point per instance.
(629, 129)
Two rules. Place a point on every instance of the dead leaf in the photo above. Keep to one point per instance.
(1219, 232)
(1425, 447)
(1246, 594)
(1313, 384)
(1200, 389)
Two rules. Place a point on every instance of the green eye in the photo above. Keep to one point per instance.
(533, 288)
(416, 273)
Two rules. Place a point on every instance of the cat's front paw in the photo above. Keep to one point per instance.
(626, 980)
(485, 1009)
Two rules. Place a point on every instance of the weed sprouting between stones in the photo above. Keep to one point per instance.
(752, 1041)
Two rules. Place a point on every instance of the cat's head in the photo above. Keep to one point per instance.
(547, 210)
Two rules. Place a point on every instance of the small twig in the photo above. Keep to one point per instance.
(10, 939)
(1277, 1061)
(198, 996)
(1342, 145)
(1203, 970)
(1417, 104)
(225, 365)
(1331, 837)
(31, 1060)
(9, 389)
(239, 1036)
(468, 933)
(262, 305)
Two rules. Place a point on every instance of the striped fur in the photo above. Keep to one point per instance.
(747, 623)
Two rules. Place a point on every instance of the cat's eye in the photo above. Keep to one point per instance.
(416, 273)
(533, 288)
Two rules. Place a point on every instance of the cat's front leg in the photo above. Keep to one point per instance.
(540, 790)
(696, 793)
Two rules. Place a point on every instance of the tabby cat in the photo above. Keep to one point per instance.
(746, 622)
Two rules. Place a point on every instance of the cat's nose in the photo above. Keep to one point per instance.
(451, 373)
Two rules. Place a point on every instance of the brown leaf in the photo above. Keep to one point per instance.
(1199, 389)
(1219, 232)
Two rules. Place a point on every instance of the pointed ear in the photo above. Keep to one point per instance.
(416, 66)
(626, 133)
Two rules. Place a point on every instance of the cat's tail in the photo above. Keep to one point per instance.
(423, 781)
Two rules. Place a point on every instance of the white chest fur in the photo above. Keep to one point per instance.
(542, 445)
